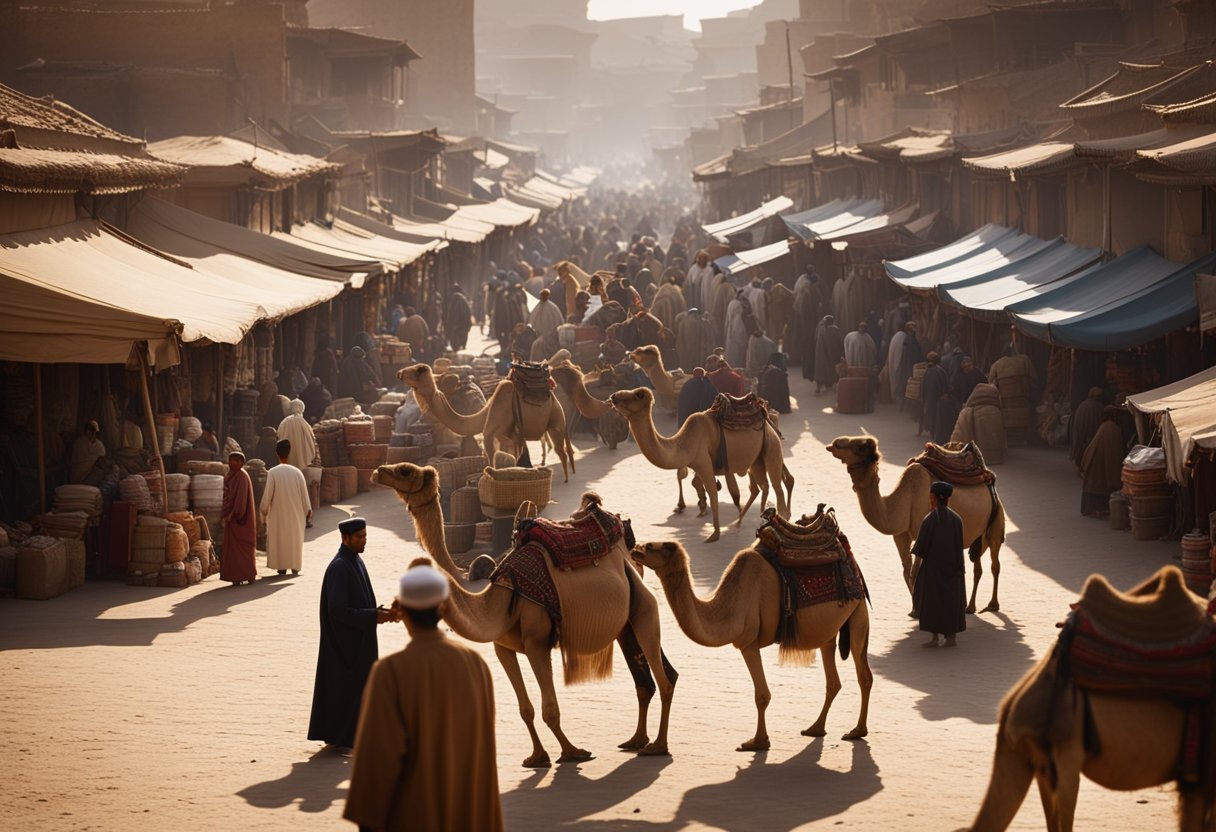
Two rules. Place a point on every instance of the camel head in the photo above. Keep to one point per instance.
(415, 485)
(566, 374)
(631, 403)
(855, 451)
(661, 556)
(419, 377)
(647, 357)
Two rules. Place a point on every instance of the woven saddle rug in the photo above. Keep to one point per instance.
(748, 412)
(571, 544)
(958, 467)
(524, 571)
(814, 541)
(532, 381)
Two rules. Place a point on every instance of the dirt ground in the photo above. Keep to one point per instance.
(130, 708)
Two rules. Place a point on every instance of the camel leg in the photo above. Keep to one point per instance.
(645, 621)
(1011, 775)
(977, 572)
(751, 655)
(704, 470)
(539, 758)
(681, 473)
(643, 680)
(540, 656)
(753, 490)
(859, 646)
(1069, 759)
(903, 543)
(831, 688)
(995, 551)
(788, 479)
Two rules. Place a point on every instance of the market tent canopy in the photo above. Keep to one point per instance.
(981, 238)
(839, 213)
(744, 260)
(989, 294)
(1044, 157)
(152, 217)
(89, 265)
(422, 230)
(1121, 305)
(346, 238)
(1186, 414)
(502, 213)
(224, 160)
(872, 225)
(724, 229)
(973, 263)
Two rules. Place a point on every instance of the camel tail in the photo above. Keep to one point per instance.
(587, 667)
(844, 639)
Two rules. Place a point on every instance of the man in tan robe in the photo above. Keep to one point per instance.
(286, 510)
(424, 750)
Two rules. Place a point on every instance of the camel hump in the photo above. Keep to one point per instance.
(1161, 609)
(956, 464)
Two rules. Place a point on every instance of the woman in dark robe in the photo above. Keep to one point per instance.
(1102, 465)
(1084, 424)
(939, 592)
(457, 320)
(934, 386)
(829, 349)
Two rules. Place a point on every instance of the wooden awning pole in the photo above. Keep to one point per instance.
(38, 437)
(160, 460)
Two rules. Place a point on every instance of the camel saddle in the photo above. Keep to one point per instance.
(574, 543)
(523, 570)
(532, 381)
(810, 542)
(964, 466)
(748, 412)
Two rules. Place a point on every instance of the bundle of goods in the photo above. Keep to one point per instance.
(331, 485)
(394, 355)
(484, 531)
(74, 551)
(341, 409)
(177, 543)
(330, 444)
(485, 372)
(207, 497)
(981, 422)
(84, 498)
(8, 567)
(912, 391)
(42, 568)
(177, 492)
(408, 453)
(358, 431)
(204, 554)
(148, 545)
(366, 459)
(189, 428)
(166, 432)
(194, 467)
(189, 524)
(68, 525)
(156, 489)
(509, 488)
(134, 490)
(173, 575)
(1144, 472)
(382, 428)
(422, 436)
(194, 570)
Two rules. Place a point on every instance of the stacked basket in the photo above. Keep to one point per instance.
(207, 497)
(1150, 496)
(177, 492)
(147, 550)
(366, 459)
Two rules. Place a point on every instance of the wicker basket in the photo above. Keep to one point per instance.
(348, 480)
(383, 428)
(367, 456)
(485, 532)
(331, 485)
(509, 488)
(399, 454)
(453, 473)
(359, 432)
(466, 505)
(459, 536)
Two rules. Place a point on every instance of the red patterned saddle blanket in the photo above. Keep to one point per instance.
(523, 570)
(957, 467)
(748, 412)
(812, 541)
(532, 381)
(573, 543)
(840, 581)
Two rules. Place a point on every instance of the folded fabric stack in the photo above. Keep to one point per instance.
(207, 497)
(84, 498)
(68, 525)
(177, 492)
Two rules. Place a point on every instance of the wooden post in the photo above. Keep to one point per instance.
(39, 438)
(148, 414)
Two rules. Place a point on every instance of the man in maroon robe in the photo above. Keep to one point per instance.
(238, 563)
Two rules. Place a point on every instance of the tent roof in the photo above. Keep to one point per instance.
(220, 160)
(1044, 157)
(152, 217)
(963, 260)
(1193, 154)
(992, 292)
(882, 221)
(744, 260)
(899, 270)
(831, 216)
(28, 170)
(1187, 411)
(734, 225)
(1130, 301)
(502, 213)
(346, 238)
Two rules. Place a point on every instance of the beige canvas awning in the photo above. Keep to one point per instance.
(1185, 413)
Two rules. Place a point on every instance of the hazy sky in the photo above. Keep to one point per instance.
(693, 10)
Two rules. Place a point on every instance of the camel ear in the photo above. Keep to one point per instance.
(669, 546)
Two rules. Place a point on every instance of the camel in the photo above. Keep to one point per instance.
(745, 609)
(496, 421)
(667, 383)
(599, 604)
(1052, 732)
(900, 513)
(572, 380)
(566, 273)
(696, 444)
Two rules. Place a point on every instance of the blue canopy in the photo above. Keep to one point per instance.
(832, 217)
(981, 238)
(1129, 301)
(975, 263)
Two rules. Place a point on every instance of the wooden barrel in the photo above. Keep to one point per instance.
(1149, 526)
(851, 395)
(459, 536)
(1197, 562)
(1152, 505)
(1120, 516)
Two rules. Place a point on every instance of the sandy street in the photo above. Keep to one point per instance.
(130, 708)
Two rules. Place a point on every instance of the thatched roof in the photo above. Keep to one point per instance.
(30, 171)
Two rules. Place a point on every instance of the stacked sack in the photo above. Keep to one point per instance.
(359, 433)
(207, 497)
(84, 498)
(982, 422)
(189, 428)
(177, 492)
(147, 550)
(331, 446)
(133, 489)
(42, 568)
(67, 525)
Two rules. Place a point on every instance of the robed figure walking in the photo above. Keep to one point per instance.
(940, 592)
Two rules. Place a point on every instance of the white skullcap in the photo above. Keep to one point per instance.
(422, 588)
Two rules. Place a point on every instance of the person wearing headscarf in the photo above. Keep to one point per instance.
(906, 354)
(695, 338)
(965, 380)
(348, 646)
(286, 511)
(296, 430)
(800, 341)
(413, 330)
(207, 441)
(238, 557)
(395, 317)
(759, 349)
(721, 294)
(546, 317)
(425, 751)
(939, 591)
(934, 386)
(582, 302)
(325, 364)
(757, 299)
(774, 383)
(736, 331)
(1084, 424)
(355, 379)
(316, 399)
(86, 450)
(643, 280)
(266, 451)
(829, 349)
(457, 319)
(668, 304)
(697, 394)
(1102, 464)
(697, 283)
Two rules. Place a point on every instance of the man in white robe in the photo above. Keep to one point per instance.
(546, 317)
(286, 510)
(697, 285)
(296, 430)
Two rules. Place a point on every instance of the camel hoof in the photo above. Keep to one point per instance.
(537, 761)
(993, 607)
(713, 537)
(578, 755)
(634, 743)
(856, 734)
(679, 510)
(815, 730)
(655, 749)
(971, 609)
(755, 745)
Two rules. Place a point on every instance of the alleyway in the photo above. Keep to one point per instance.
(160, 709)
